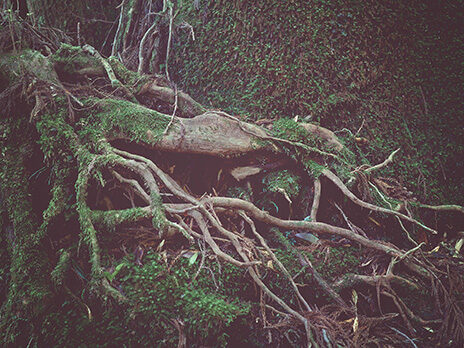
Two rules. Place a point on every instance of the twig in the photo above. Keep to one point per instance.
(109, 71)
(409, 252)
(205, 231)
(424, 101)
(399, 220)
(179, 325)
(275, 310)
(275, 259)
(383, 164)
(373, 280)
(399, 304)
(352, 226)
(448, 207)
(359, 129)
(173, 113)
(135, 184)
(142, 44)
(166, 61)
(317, 227)
(316, 199)
(322, 283)
(116, 35)
(332, 177)
(78, 33)
(404, 335)
(202, 262)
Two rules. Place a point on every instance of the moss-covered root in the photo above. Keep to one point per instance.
(29, 286)
(100, 284)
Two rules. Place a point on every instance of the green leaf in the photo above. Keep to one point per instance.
(193, 258)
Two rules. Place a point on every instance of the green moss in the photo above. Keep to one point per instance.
(337, 262)
(111, 219)
(128, 120)
(159, 221)
(389, 66)
(29, 288)
(69, 60)
(157, 292)
(313, 152)
(282, 180)
(59, 272)
(57, 138)
(242, 192)
(126, 76)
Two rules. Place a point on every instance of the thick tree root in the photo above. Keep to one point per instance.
(212, 220)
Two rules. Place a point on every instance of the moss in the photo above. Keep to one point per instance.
(313, 152)
(243, 192)
(54, 134)
(120, 117)
(389, 66)
(59, 272)
(29, 288)
(159, 293)
(69, 60)
(282, 180)
(337, 262)
(164, 294)
(5, 250)
(68, 324)
(126, 76)
(111, 219)
(159, 220)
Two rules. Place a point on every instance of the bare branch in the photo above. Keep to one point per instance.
(316, 199)
(383, 164)
(332, 177)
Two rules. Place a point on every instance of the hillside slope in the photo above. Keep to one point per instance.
(390, 72)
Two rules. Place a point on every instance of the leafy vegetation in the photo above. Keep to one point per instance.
(389, 70)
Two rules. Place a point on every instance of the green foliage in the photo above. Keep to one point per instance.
(289, 129)
(336, 262)
(54, 133)
(282, 180)
(126, 76)
(393, 66)
(159, 221)
(158, 294)
(69, 323)
(112, 275)
(312, 151)
(242, 192)
(163, 294)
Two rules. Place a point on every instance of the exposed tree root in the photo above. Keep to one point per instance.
(235, 230)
